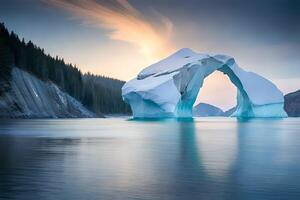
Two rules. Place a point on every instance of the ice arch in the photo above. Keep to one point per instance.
(169, 88)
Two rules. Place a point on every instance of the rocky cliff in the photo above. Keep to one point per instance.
(292, 104)
(30, 97)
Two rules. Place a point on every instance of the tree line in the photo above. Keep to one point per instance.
(98, 93)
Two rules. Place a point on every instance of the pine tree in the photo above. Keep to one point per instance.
(98, 93)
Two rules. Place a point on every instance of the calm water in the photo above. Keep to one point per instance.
(208, 158)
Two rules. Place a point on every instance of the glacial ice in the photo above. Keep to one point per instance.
(169, 87)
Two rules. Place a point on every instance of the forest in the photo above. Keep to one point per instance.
(98, 93)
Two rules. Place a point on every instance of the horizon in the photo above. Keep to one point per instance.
(99, 37)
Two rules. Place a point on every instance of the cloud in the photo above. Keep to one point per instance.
(124, 23)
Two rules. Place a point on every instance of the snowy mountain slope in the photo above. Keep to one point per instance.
(30, 97)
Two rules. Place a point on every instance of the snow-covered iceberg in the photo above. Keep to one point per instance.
(169, 87)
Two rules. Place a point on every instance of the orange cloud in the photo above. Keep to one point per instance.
(125, 23)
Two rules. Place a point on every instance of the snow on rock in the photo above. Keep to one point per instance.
(169, 88)
(30, 97)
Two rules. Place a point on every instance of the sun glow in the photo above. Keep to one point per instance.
(125, 23)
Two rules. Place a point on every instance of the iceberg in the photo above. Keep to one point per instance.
(170, 87)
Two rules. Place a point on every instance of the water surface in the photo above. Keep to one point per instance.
(115, 158)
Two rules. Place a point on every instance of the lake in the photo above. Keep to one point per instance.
(117, 158)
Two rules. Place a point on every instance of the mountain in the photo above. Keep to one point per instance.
(99, 94)
(229, 112)
(30, 97)
(103, 95)
(292, 104)
(205, 110)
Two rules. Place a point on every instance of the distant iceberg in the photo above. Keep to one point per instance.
(169, 87)
(206, 110)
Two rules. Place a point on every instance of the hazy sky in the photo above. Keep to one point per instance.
(118, 38)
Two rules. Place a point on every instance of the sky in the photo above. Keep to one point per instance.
(118, 38)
